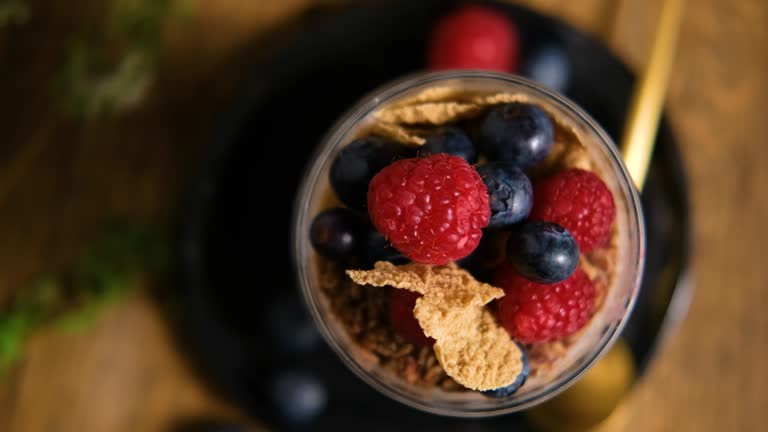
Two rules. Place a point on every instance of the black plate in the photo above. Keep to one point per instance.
(235, 205)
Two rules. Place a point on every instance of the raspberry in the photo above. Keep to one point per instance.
(475, 37)
(401, 304)
(533, 312)
(431, 209)
(580, 202)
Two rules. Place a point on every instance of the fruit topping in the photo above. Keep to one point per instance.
(533, 312)
(517, 133)
(474, 37)
(453, 141)
(431, 209)
(549, 65)
(510, 193)
(356, 164)
(542, 251)
(580, 202)
(299, 396)
(375, 247)
(401, 304)
(335, 233)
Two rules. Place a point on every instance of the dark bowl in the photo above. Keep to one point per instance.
(228, 297)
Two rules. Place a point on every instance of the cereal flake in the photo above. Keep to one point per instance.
(470, 345)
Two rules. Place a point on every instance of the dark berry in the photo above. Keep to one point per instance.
(401, 304)
(356, 164)
(510, 193)
(375, 247)
(299, 396)
(542, 251)
(509, 390)
(548, 65)
(490, 253)
(474, 37)
(517, 133)
(453, 141)
(334, 233)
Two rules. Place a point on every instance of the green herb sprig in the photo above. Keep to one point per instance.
(72, 299)
(112, 67)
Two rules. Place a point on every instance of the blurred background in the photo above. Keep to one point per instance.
(111, 112)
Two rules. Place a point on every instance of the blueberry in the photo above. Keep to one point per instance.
(453, 141)
(504, 392)
(487, 257)
(549, 65)
(356, 164)
(510, 193)
(290, 327)
(299, 396)
(334, 233)
(542, 251)
(520, 134)
(375, 247)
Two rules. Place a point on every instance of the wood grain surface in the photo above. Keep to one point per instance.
(60, 177)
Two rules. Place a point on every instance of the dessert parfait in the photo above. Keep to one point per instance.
(475, 242)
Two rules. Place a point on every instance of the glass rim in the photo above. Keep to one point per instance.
(328, 144)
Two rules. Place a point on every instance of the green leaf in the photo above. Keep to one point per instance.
(15, 326)
(73, 299)
(46, 293)
(92, 82)
(88, 93)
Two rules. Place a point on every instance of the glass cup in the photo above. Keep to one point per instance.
(596, 338)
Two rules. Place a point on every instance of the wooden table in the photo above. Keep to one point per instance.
(59, 177)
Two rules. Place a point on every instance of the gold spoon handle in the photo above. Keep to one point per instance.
(648, 95)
